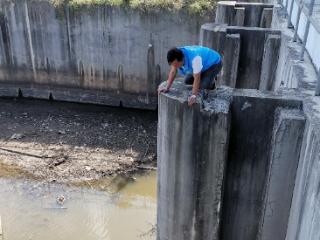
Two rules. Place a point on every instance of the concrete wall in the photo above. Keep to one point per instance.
(250, 55)
(263, 128)
(291, 72)
(291, 6)
(111, 51)
(304, 218)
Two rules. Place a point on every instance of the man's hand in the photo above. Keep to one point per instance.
(192, 100)
(163, 90)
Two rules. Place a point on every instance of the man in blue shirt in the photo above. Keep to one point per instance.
(200, 65)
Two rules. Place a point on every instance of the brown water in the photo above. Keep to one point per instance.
(30, 211)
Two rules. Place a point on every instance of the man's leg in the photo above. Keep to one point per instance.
(208, 77)
(189, 79)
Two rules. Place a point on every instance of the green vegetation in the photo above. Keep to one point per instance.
(193, 6)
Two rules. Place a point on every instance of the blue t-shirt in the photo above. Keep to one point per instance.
(198, 59)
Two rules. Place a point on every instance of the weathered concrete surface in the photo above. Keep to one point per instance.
(286, 145)
(247, 14)
(102, 49)
(192, 153)
(253, 115)
(258, 54)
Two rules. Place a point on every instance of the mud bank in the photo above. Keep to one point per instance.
(72, 143)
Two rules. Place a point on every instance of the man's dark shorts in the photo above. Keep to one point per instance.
(207, 77)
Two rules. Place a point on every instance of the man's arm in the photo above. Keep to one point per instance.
(196, 83)
(171, 77)
(196, 67)
(195, 89)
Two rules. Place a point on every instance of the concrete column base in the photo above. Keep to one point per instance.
(192, 153)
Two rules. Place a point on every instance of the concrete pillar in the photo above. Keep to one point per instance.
(192, 153)
(213, 36)
(286, 144)
(269, 61)
(266, 18)
(225, 12)
(239, 16)
(231, 60)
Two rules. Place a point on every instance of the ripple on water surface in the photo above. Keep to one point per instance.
(30, 211)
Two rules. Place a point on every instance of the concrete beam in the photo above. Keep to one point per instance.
(269, 61)
(192, 153)
(286, 144)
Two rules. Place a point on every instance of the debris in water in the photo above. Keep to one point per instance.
(60, 200)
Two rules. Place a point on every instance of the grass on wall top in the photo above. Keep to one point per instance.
(192, 6)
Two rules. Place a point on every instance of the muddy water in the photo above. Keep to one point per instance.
(32, 210)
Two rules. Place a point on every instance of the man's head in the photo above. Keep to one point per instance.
(175, 57)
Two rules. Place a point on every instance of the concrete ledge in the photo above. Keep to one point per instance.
(80, 96)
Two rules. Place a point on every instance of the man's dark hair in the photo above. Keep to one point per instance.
(174, 54)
